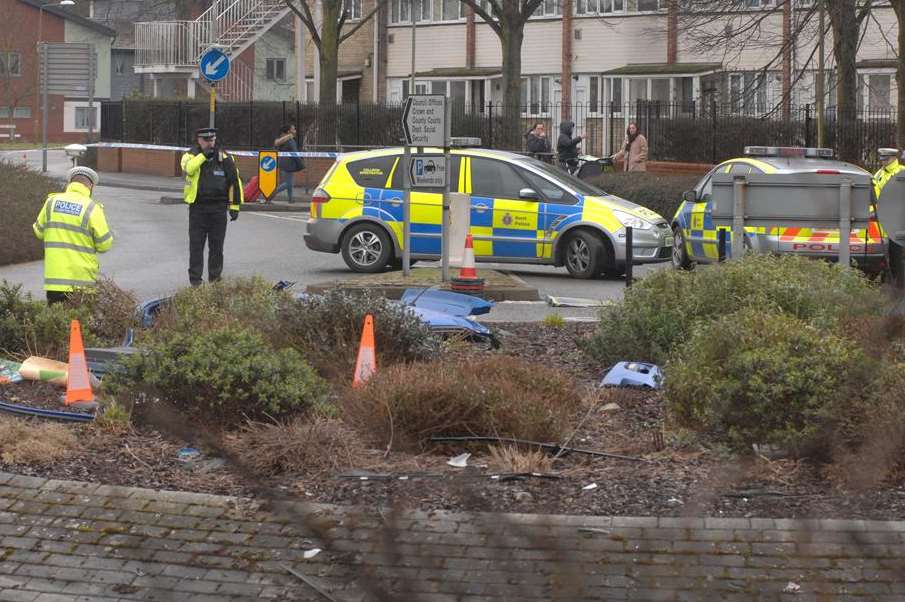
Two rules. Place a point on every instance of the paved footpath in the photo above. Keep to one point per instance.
(65, 540)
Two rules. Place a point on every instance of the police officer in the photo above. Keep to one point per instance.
(212, 187)
(74, 230)
(891, 166)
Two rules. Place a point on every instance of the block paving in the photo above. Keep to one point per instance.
(63, 541)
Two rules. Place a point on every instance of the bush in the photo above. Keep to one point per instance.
(222, 374)
(658, 192)
(666, 307)
(21, 196)
(760, 377)
(403, 406)
(327, 328)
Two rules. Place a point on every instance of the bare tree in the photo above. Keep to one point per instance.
(507, 19)
(328, 34)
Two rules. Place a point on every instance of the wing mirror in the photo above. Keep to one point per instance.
(690, 196)
(528, 194)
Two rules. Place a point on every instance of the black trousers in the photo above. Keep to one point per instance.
(57, 297)
(206, 224)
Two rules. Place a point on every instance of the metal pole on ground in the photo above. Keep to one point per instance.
(44, 62)
(738, 219)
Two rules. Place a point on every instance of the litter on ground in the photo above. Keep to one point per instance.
(460, 461)
(633, 374)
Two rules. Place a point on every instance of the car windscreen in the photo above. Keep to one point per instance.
(569, 180)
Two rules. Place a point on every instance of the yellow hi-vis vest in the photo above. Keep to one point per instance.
(885, 174)
(191, 167)
(74, 230)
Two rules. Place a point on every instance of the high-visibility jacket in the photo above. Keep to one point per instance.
(193, 160)
(74, 230)
(885, 174)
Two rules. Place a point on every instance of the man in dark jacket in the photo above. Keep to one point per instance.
(288, 165)
(212, 187)
(566, 146)
(537, 142)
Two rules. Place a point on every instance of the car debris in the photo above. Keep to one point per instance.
(792, 588)
(522, 476)
(460, 461)
(575, 302)
(9, 372)
(590, 487)
(633, 374)
(377, 476)
(309, 554)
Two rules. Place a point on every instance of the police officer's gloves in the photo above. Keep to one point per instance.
(210, 153)
(233, 215)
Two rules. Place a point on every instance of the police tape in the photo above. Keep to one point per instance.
(163, 147)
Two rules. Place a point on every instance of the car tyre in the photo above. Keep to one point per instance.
(680, 259)
(585, 255)
(366, 248)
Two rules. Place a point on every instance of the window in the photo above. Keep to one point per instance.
(494, 179)
(353, 8)
(659, 90)
(586, 7)
(548, 190)
(548, 8)
(878, 92)
(372, 173)
(612, 6)
(10, 63)
(650, 5)
(748, 92)
(83, 120)
(616, 91)
(452, 10)
(276, 70)
(22, 113)
(637, 90)
(119, 66)
(400, 10)
(438, 88)
(536, 94)
(594, 98)
(309, 91)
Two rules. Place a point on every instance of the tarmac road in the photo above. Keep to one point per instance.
(150, 256)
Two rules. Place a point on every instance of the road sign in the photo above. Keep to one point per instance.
(428, 171)
(268, 173)
(424, 120)
(214, 65)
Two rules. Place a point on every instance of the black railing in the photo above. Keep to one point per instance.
(692, 131)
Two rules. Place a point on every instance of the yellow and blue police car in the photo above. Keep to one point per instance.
(696, 238)
(522, 211)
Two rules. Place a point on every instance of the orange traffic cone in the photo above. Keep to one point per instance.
(78, 385)
(366, 364)
(467, 271)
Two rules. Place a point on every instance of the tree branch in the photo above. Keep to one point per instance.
(305, 17)
(380, 4)
(494, 24)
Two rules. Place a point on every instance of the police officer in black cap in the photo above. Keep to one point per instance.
(212, 187)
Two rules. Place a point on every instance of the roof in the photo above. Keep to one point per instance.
(876, 64)
(69, 16)
(461, 72)
(665, 69)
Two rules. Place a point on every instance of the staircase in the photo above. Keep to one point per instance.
(174, 47)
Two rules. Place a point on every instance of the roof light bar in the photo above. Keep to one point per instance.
(464, 142)
(788, 152)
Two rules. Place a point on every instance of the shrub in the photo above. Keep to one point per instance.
(664, 308)
(299, 446)
(27, 442)
(327, 329)
(405, 405)
(658, 192)
(222, 374)
(758, 376)
(22, 196)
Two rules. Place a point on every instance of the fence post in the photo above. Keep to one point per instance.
(629, 256)
(283, 105)
(179, 138)
(251, 124)
(807, 125)
(122, 119)
(713, 131)
(609, 130)
(490, 119)
(357, 121)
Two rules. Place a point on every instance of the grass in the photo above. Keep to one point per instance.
(554, 320)
(21, 196)
(510, 458)
(27, 442)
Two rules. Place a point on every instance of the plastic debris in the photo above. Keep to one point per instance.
(447, 302)
(188, 453)
(574, 302)
(792, 588)
(309, 554)
(45, 370)
(9, 372)
(460, 461)
(590, 487)
(633, 374)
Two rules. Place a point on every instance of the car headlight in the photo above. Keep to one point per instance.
(632, 221)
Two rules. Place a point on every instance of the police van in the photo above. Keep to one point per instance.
(522, 211)
(800, 185)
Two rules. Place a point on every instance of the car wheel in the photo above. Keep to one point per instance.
(367, 248)
(680, 259)
(585, 255)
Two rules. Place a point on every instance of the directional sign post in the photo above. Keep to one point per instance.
(268, 173)
(424, 123)
(214, 66)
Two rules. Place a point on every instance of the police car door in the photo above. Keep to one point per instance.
(699, 220)
(557, 204)
(497, 185)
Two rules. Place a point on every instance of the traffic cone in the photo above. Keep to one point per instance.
(78, 385)
(468, 271)
(366, 364)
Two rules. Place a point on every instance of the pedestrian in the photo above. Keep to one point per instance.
(567, 146)
(634, 149)
(212, 188)
(537, 144)
(74, 230)
(288, 165)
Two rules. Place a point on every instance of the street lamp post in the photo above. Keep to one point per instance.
(43, 60)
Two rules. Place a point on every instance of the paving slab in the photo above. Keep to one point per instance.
(178, 552)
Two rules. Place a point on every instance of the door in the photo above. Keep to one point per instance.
(557, 205)
(512, 222)
(700, 218)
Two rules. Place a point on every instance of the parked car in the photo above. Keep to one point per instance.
(798, 172)
(522, 211)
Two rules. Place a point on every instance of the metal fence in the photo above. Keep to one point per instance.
(688, 131)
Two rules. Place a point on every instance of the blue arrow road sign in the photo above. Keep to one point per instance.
(268, 164)
(214, 65)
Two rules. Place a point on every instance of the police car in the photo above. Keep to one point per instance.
(522, 211)
(800, 174)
